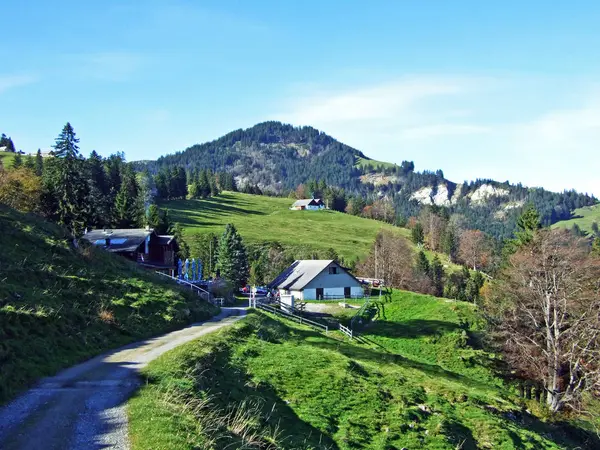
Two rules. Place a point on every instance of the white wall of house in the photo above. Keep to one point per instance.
(332, 284)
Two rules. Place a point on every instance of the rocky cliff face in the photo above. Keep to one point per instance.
(441, 195)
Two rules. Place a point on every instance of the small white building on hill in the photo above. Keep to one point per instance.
(317, 280)
(310, 204)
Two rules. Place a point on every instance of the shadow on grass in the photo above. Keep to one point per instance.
(411, 328)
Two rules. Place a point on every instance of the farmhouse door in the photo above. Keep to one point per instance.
(347, 293)
(319, 293)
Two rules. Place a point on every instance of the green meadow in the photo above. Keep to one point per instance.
(269, 219)
(416, 378)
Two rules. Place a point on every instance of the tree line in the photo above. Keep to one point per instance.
(79, 193)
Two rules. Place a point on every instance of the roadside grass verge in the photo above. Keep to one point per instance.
(60, 305)
(268, 383)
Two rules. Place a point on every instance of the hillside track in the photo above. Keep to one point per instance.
(84, 407)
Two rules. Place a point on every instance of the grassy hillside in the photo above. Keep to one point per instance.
(584, 217)
(364, 161)
(263, 219)
(417, 381)
(6, 158)
(60, 305)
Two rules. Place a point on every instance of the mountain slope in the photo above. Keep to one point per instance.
(262, 219)
(582, 217)
(278, 157)
(60, 305)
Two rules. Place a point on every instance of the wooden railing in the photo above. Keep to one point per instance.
(294, 317)
(204, 294)
(347, 331)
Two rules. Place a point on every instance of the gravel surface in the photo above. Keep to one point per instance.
(84, 407)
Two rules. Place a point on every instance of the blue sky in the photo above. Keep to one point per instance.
(505, 90)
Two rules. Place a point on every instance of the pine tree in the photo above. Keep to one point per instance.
(203, 184)
(450, 242)
(29, 163)
(184, 249)
(232, 259)
(128, 211)
(193, 190)
(164, 222)
(423, 263)
(527, 224)
(99, 199)
(417, 234)
(39, 163)
(17, 161)
(153, 217)
(67, 182)
(436, 272)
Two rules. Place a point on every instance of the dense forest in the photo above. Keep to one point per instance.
(275, 159)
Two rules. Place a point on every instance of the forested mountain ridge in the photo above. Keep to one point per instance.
(278, 157)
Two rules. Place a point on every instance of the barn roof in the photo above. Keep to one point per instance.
(306, 202)
(121, 240)
(300, 273)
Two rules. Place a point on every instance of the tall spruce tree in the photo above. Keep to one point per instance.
(423, 263)
(232, 258)
(128, 210)
(417, 234)
(17, 161)
(99, 190)
(67, 182)
(436, 272)
(39, 163)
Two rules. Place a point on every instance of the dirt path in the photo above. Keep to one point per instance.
(84, 407)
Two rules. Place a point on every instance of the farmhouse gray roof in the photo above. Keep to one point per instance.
(121, 240)
(300, 273)
(306, 202)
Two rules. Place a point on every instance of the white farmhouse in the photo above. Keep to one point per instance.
(310, 204)
(317, 280)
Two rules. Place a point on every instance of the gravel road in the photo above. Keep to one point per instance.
(84, 407)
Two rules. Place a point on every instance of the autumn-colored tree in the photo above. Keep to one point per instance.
(301, 192)
(545, 314)
(474, 249)
(383, 210)
(20, 189)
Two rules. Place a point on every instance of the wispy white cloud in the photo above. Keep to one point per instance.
(382, 102)
(8, 82)
(538, 133)
(115, 66)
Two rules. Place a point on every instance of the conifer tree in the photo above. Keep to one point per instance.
(203, 184)
(232, 259)
(436, 272)
(29, 163)
(39, 163)
(184, 249)
(67, 182)
(417, 234)
(127, 207)
(422, 263)
(17, 161)
(153, 217)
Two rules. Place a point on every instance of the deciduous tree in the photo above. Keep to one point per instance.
(546, 315)
(474, 249)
